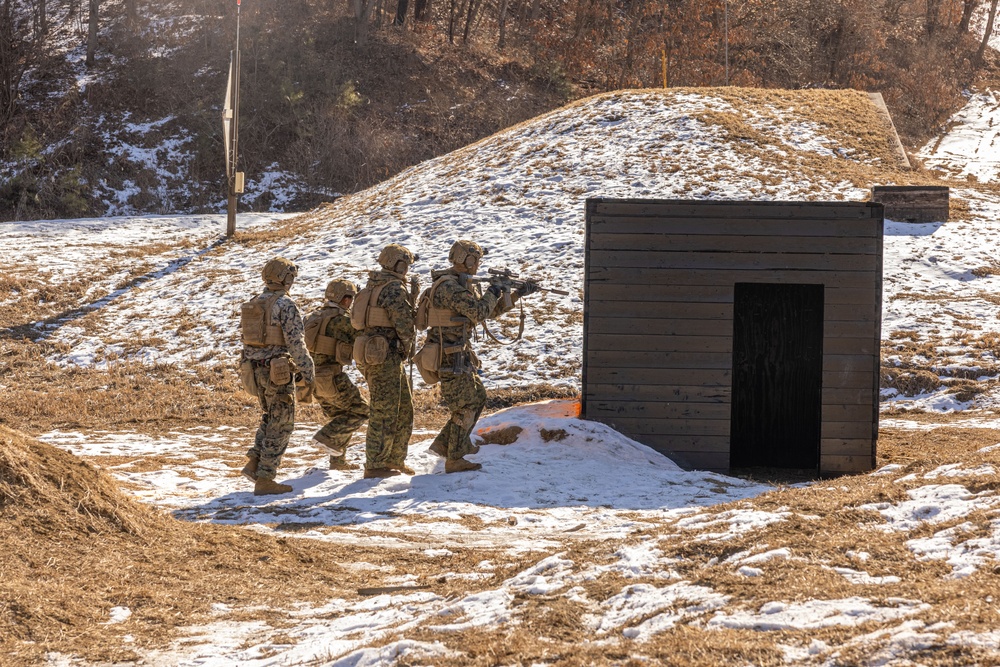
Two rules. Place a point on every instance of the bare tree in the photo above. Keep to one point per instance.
(362, 8)
(19, 42)
(95, 8)
(987, 33)
(968, 9)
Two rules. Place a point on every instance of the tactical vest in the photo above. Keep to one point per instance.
(428, 315)
(365, 313)
(257, 327)
(317, 342)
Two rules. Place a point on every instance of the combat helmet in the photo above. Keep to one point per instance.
(463, 250)
(279, 273)
(393, 254)
(339, 288)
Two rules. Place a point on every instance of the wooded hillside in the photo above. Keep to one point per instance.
(114, 107)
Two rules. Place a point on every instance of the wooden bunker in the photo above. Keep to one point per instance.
(913, 203)
(731, 334)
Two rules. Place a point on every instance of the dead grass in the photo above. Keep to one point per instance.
(501, 436)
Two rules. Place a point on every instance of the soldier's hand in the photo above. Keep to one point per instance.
(529, 287)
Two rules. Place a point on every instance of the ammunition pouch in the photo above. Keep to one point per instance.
(370, 349)
(303, 391)
(281, 371)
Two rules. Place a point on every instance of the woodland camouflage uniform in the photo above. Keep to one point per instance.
(390, 421)
(461, 389)
(344, 407)
(277, 402)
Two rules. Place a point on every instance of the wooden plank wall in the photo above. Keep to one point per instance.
(913, 203)
(658, 318)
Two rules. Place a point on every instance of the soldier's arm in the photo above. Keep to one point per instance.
(291, 324)
(465, 303)
(394, 300)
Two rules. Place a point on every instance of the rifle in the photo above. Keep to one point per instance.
(507, 280)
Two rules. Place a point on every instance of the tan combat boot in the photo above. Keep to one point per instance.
(461, 465)
(250, 469)
(340, 463)
(371, 473)
(268, 487)
(403, 468)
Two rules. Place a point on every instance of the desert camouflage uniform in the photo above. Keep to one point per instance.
(390, 421)
(343, 406)
(461, 389)
(277, 402)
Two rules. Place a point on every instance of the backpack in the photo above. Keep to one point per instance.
(317, 342)
(429, 316)
(364, 311)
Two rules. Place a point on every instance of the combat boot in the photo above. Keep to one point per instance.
(268, 487)
(439, 449)
(371, 473)
(403, 468)
(340, 463)
(250, 469)
(461, 465)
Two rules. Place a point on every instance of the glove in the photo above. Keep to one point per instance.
(529, 287)
(495, 290)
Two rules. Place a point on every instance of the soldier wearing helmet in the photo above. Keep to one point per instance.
(388, 314)
(454, 299)
(273, 349)
(330, 338)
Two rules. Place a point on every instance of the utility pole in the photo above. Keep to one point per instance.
(231, 131)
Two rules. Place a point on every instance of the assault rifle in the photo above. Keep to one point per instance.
(507, 280)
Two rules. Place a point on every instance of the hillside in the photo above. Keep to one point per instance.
(575, 545)
(139, 131)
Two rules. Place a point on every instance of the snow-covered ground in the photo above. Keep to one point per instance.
(562, 481)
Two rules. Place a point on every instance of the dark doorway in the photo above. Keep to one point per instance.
(777, 376)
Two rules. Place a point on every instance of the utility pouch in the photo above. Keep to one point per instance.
(345, 353)
(325, 387)
(303, 391)
(370, 349)
(281, 371)
(247, 378)
(428, 361)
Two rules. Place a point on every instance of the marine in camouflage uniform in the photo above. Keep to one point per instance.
(344, 407)
(461, 389)
(277, 401)
(390, 421)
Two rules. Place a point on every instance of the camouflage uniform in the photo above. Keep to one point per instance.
(277, 402)
(461, 389)
(390, 421)
(341, 401)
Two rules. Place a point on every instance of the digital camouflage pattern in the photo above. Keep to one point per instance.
(390, 421)
(461, 389)
(346, 410)
(277, 402)
(286, 315)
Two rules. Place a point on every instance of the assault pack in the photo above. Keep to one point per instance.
(364, 311)
(257, 327)
(317, 342)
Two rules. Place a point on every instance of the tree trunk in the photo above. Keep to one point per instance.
(502, 42)
(361, 8)
(931, 16)
(95, 6)
(452, 10)
(968, 9)
(43, 18)
(131, 12)
(987, 33)
(421, 10)
(468, 20)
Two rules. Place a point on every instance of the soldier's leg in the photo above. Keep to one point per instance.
(404, 422)
(383, 386)
(346, 411)
(465, 396)
(276, 429)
